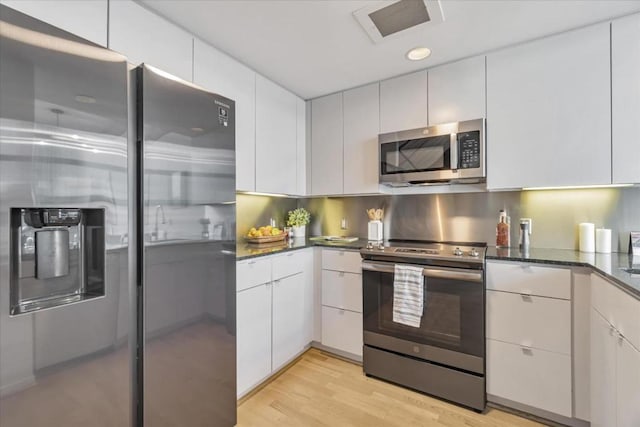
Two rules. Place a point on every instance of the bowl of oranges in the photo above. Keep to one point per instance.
(265, 234)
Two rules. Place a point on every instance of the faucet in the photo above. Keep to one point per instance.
(159, 208)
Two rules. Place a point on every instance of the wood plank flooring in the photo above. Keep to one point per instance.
(321, 390)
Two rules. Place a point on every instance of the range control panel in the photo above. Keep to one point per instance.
(469, 150)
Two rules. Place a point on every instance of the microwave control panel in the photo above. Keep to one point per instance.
(469, 150)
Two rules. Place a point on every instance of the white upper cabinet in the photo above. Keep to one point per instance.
(217, 72)
(276, 133)
(457, 91)
(327, 145)
(87, 19)
(625, 96)
(548, 112)
(143, 36)
(301, 146)
(361, 128)
(404, 102)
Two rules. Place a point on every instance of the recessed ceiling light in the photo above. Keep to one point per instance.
(85, 99)
(418, 53)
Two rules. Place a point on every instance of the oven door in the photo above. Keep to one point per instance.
(451, 330)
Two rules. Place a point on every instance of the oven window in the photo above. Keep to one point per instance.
(416, 155)
(453, 316)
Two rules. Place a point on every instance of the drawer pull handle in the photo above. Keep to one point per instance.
(251, 262)
(526, 296)
(527, 351)
(341, 311)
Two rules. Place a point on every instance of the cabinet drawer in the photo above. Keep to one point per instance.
(342, 330)
(342, 290)
(542, 323)
(533, 377)
(529, 279)
(287, 264)
(252, 272)
(341, 260)
(617, 307)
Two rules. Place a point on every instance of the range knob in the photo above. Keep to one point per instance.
(381, 246)
(474, 253)
(457, 252)
(370, 245)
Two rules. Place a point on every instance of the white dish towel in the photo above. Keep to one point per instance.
(408, 295)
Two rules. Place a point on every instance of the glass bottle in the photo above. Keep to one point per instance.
(503, 230)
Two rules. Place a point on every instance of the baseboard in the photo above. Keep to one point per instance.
(16, 387)
(540, 415)
(349, 357)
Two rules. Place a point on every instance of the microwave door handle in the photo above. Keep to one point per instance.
(453, 150)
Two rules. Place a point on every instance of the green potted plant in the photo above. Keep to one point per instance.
(297, 220)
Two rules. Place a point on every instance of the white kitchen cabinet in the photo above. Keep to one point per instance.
(327, 145)
(537, 322)
(457, 91)
(615, 359)
(301, 147)
(361, 129)
(143, 36)
(529, 279)
(341, 296)
(342, 330)
(288, 319)
(537, 378)
(529, 336)
(274, 314)
(86, 19)
(548, 112)
(253, 335)
(219, 73)
(628, 385)
(404, 102)
(342, 290)
(276, 133)
(625, 97)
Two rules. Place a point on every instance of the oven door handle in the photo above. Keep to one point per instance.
(440, 273)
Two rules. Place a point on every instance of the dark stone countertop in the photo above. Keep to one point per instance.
(610, 266)
(247, 250)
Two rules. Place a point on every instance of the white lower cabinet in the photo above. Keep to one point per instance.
(628, 384)
(341, 297)
(529, 336)
(253, 335)
(615, 361)
(274, 322)
(537, 378)
(288, 319)
(342, 330)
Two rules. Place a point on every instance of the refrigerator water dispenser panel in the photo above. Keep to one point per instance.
(57, 257)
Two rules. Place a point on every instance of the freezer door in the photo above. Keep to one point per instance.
(63, 143)
(188, 232)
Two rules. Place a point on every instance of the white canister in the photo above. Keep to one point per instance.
(587, 237)
(375, 231)
(603, 240)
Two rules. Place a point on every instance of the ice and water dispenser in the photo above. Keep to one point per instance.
(57, 257)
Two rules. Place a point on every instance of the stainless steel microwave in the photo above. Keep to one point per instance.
(452, 152)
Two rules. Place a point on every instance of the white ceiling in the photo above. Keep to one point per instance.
(316, 47)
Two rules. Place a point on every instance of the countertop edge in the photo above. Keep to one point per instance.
(360, 243)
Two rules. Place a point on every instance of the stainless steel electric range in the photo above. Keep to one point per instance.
(445, 355)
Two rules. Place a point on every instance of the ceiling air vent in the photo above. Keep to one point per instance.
(380, 22)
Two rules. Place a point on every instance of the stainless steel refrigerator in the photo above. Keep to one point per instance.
(117, 239)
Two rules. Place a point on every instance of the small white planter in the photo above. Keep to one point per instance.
(300, 231)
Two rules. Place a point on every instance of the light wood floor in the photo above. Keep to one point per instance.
(321, 390)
